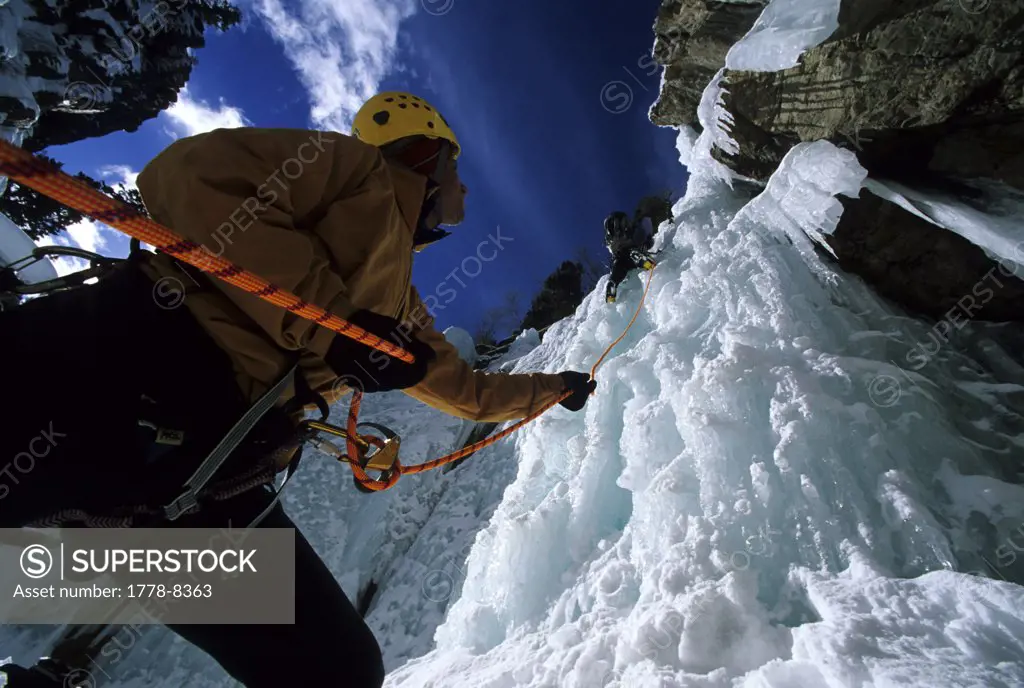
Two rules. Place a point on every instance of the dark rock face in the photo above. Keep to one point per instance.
(929, 93)
(921, 88)
(923, 267)
(692, 39)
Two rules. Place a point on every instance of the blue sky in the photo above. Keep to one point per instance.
(549, 100)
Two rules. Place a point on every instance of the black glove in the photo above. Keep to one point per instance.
(366, 369)
(582, 387)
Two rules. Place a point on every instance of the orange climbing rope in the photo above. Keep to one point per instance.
(398, 470)
(25, 168)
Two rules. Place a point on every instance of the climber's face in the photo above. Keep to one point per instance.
(453, 195)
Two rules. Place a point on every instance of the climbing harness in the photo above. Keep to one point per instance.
(188, 500)
(362, 451)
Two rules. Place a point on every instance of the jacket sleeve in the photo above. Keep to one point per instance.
(251, 196)
(452, 386)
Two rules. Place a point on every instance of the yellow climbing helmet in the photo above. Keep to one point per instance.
(393, 115)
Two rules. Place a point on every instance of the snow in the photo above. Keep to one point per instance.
(783, 31)
(103, 17)
(686, 142)
(525, 342)
(15, 245)
(11, 135)
(463, 341)
(776, 485)
(12, 14)
(18, 34)
(715, 121)
(803, 191)
(15, 85)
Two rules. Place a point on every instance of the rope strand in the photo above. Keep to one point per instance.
(399, 470)
(25, 168)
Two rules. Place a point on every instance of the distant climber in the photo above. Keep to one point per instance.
(629, 243)
(138, 377)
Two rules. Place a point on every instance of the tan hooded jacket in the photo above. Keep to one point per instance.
(324, 216)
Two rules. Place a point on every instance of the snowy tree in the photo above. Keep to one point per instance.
(73, 72)
(561, 294)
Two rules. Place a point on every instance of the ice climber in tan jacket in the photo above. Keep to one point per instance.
(157, 363)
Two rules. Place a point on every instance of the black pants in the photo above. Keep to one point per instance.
(329, 645)
(624, 261)
(81, 369)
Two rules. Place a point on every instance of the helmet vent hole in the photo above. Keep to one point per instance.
(430, 124)
(403, 97)
(382, 117)
(416, 105)
(389, 100)
(402, 105)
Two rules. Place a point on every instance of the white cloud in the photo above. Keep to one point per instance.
(88, 235)
(189, 116)
(341, 49)
(85, 234)
(123, 175)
